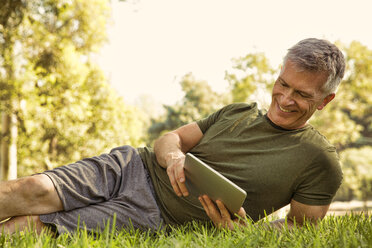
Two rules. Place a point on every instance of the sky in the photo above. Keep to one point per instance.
(152, 44)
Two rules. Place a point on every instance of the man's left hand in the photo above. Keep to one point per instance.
(220, 216)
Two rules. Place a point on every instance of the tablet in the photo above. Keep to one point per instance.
(201, 179)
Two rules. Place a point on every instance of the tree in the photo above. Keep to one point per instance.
(347, 121)
(251, 79)
(336, 125)
(199, 101)
(63, 106)
(357, 89)
(357, 169)
(11, 16)
(78, 123)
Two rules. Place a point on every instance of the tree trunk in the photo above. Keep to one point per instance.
(8, 147)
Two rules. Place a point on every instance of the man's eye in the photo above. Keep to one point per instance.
(303, 95)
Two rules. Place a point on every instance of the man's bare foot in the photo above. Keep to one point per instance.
(22, 223)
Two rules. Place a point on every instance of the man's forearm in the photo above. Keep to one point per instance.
(167, 147)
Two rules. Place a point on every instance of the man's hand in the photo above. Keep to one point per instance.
(175, 163)
(221, 217)
(170, 152)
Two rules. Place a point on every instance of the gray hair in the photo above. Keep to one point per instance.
(319, 56)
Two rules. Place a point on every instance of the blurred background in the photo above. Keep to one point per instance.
(80, 77)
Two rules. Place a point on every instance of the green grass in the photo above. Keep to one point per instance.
(354, 230)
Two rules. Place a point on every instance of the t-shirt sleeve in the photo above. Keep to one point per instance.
(208, 121)
(320, 181)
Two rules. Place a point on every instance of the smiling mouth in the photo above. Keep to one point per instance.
(285, 110)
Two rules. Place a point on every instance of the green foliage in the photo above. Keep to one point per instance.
(357, 89)
(82, 122)
(251, 73)
(347, 120)
(198, 102)
(65, 108)
(357, 169)
(342, 231)
(357, 86)
(336, 125)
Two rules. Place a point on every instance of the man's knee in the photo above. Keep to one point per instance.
(37, 186)
(39, 193)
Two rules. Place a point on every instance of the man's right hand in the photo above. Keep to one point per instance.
(170, 152)
(175, 170)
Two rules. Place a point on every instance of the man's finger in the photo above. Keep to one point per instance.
(223, 210)
(173, 181)
(206, 209)
(183, 189)
(241, 217)
(180, 175)
(242, 213)
(213, 211)
(227, 222)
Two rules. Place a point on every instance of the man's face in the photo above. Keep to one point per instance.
(296, 95)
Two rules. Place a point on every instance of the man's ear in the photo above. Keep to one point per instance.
(326, 100)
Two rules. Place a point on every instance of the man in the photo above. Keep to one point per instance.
(277, 157)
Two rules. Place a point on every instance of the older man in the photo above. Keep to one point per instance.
(277, 157)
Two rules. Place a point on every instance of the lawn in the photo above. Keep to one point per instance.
(352, 230)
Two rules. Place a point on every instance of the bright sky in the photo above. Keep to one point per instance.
(154, 43)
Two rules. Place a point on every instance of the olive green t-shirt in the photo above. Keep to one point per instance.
(271, 164)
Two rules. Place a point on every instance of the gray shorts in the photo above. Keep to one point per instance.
(95, 189)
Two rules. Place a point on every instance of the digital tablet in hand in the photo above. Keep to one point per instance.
(201, 179)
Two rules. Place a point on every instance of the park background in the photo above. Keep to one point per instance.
(79, 77)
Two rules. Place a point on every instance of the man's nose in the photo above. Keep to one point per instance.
(287, 98)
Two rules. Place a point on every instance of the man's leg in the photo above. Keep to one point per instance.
(95, 189)
(31, 195)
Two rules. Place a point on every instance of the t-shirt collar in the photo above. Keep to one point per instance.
(276, 126)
